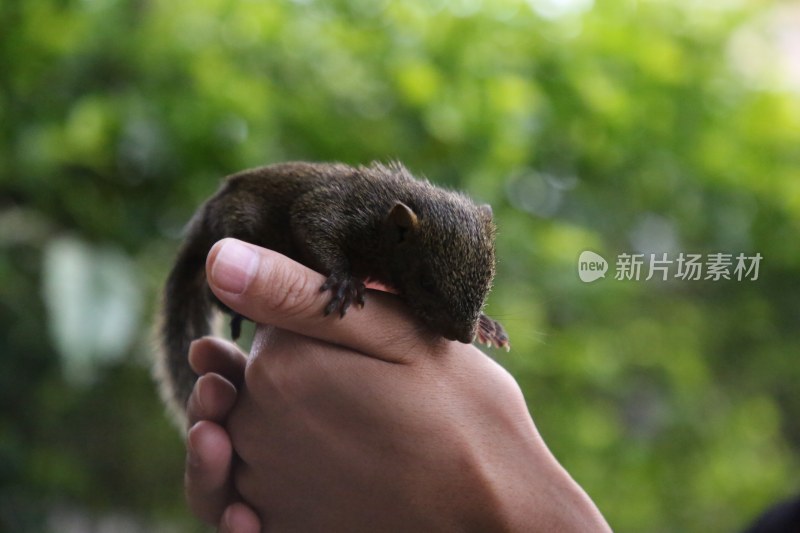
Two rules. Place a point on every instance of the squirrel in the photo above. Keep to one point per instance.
(433, 247)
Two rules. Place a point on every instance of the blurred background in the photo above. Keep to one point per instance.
(617, 127)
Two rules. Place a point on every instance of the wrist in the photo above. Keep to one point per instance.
(533, 492)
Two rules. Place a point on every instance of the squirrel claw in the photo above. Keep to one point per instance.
(492, 334)
(346, 290)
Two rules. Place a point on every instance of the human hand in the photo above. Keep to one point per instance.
(370, 423)
(209, 459)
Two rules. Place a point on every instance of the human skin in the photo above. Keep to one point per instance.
(359, 424)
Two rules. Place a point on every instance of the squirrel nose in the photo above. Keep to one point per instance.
(465, 335)
(466, 339)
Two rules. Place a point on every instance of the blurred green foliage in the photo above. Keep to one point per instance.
(620, 127)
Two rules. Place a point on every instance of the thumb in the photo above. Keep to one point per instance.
(270, 288)
(261, 284)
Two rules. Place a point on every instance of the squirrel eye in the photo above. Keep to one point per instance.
(426, 283)
(401, 235)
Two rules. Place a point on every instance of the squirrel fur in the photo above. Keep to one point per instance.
(432, 246)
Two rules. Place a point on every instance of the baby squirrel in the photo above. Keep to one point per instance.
(433, 247)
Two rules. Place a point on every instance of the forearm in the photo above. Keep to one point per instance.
(522, 485)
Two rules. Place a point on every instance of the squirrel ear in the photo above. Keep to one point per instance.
(402, 219)
(486, 211)
(403, 216)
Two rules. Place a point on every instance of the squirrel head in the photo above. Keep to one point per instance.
(442, 259)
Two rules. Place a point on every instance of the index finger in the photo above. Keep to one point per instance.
(212, 354)
(270, 288)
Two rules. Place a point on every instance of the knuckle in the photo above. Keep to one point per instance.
(288, 375)
(290, 291)
(272, 379)
(503, 385)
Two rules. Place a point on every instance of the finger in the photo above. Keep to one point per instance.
(239, 518)
(212, 354)
(270, 288)
(212, 398)
(208, 467)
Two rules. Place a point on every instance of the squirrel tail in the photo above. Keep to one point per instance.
(186, 311)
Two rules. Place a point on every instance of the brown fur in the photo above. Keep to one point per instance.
(434, 247)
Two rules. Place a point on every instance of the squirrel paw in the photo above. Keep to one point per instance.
(492, 334)
(346, 290)
(236, 326)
